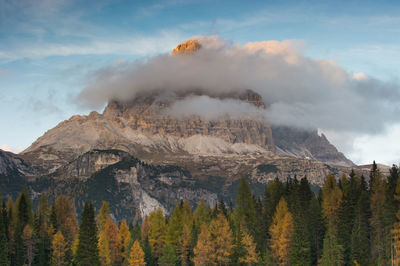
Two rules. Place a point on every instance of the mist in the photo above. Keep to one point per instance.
(297, 90)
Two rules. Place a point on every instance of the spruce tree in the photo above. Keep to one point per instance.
(380, 244)
(332, 253)
(245, 209)
(168, 256)
(24, 217)
(3, 238)
(316, 229)
(43, 239)
(88, 253)
(360, 249)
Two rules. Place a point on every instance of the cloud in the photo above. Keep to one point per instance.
(297, 90)
(138, 45)
(216, 108)
(6, 147)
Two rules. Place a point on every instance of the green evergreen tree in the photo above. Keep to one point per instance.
(273, 193)
(87, 253)
(3, 237)
(43, 239)
(168, 256)
(148, 254)
(360, 249)
(245, 209)
(300, 253)
(332, 254)
(380, 242)
(351, 192)
(24, 217)
(135, 232)
(316, 229)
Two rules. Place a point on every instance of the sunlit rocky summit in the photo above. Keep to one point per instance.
(139, 155)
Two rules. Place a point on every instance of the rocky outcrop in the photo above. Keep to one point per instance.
(128, 184)
(12, 164)
(307, 144)
(188, 47)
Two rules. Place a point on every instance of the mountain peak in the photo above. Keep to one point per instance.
(188, 47)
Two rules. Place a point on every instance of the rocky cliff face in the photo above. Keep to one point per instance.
(132, 187)
(12, 164)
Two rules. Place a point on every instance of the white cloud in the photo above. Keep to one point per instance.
(384, 148)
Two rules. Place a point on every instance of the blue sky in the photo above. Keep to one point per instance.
(49, 49)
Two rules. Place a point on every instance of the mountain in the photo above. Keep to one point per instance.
(139, 155)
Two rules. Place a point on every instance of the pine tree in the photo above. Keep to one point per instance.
(379, 246)
(148, 254)
(332, 253)
(136, 256)
(59, 249)
(360, 249)
(281, 231)
(300, 253)
(43, 239)
(24, 217)
(300, 249)
(3, 237)
(346, 214)
(136, 233)
(396, 226)
(87, 253)
(168, 256)
(245, 206)
(316, 229)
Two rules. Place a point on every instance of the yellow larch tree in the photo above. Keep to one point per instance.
(125, 238)
(104, 250)
(114, 241)
(203, 248)
(136, 255)
(157, 233)
(221, 240)
(59, 248)
(281, 231)
(250, 257)
(184, 242)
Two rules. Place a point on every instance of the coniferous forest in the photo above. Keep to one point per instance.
(351, 221)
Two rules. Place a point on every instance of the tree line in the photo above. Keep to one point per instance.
(349, 222)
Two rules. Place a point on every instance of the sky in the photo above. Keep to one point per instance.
(52, 51)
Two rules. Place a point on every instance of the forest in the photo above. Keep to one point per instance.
(353, 220)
